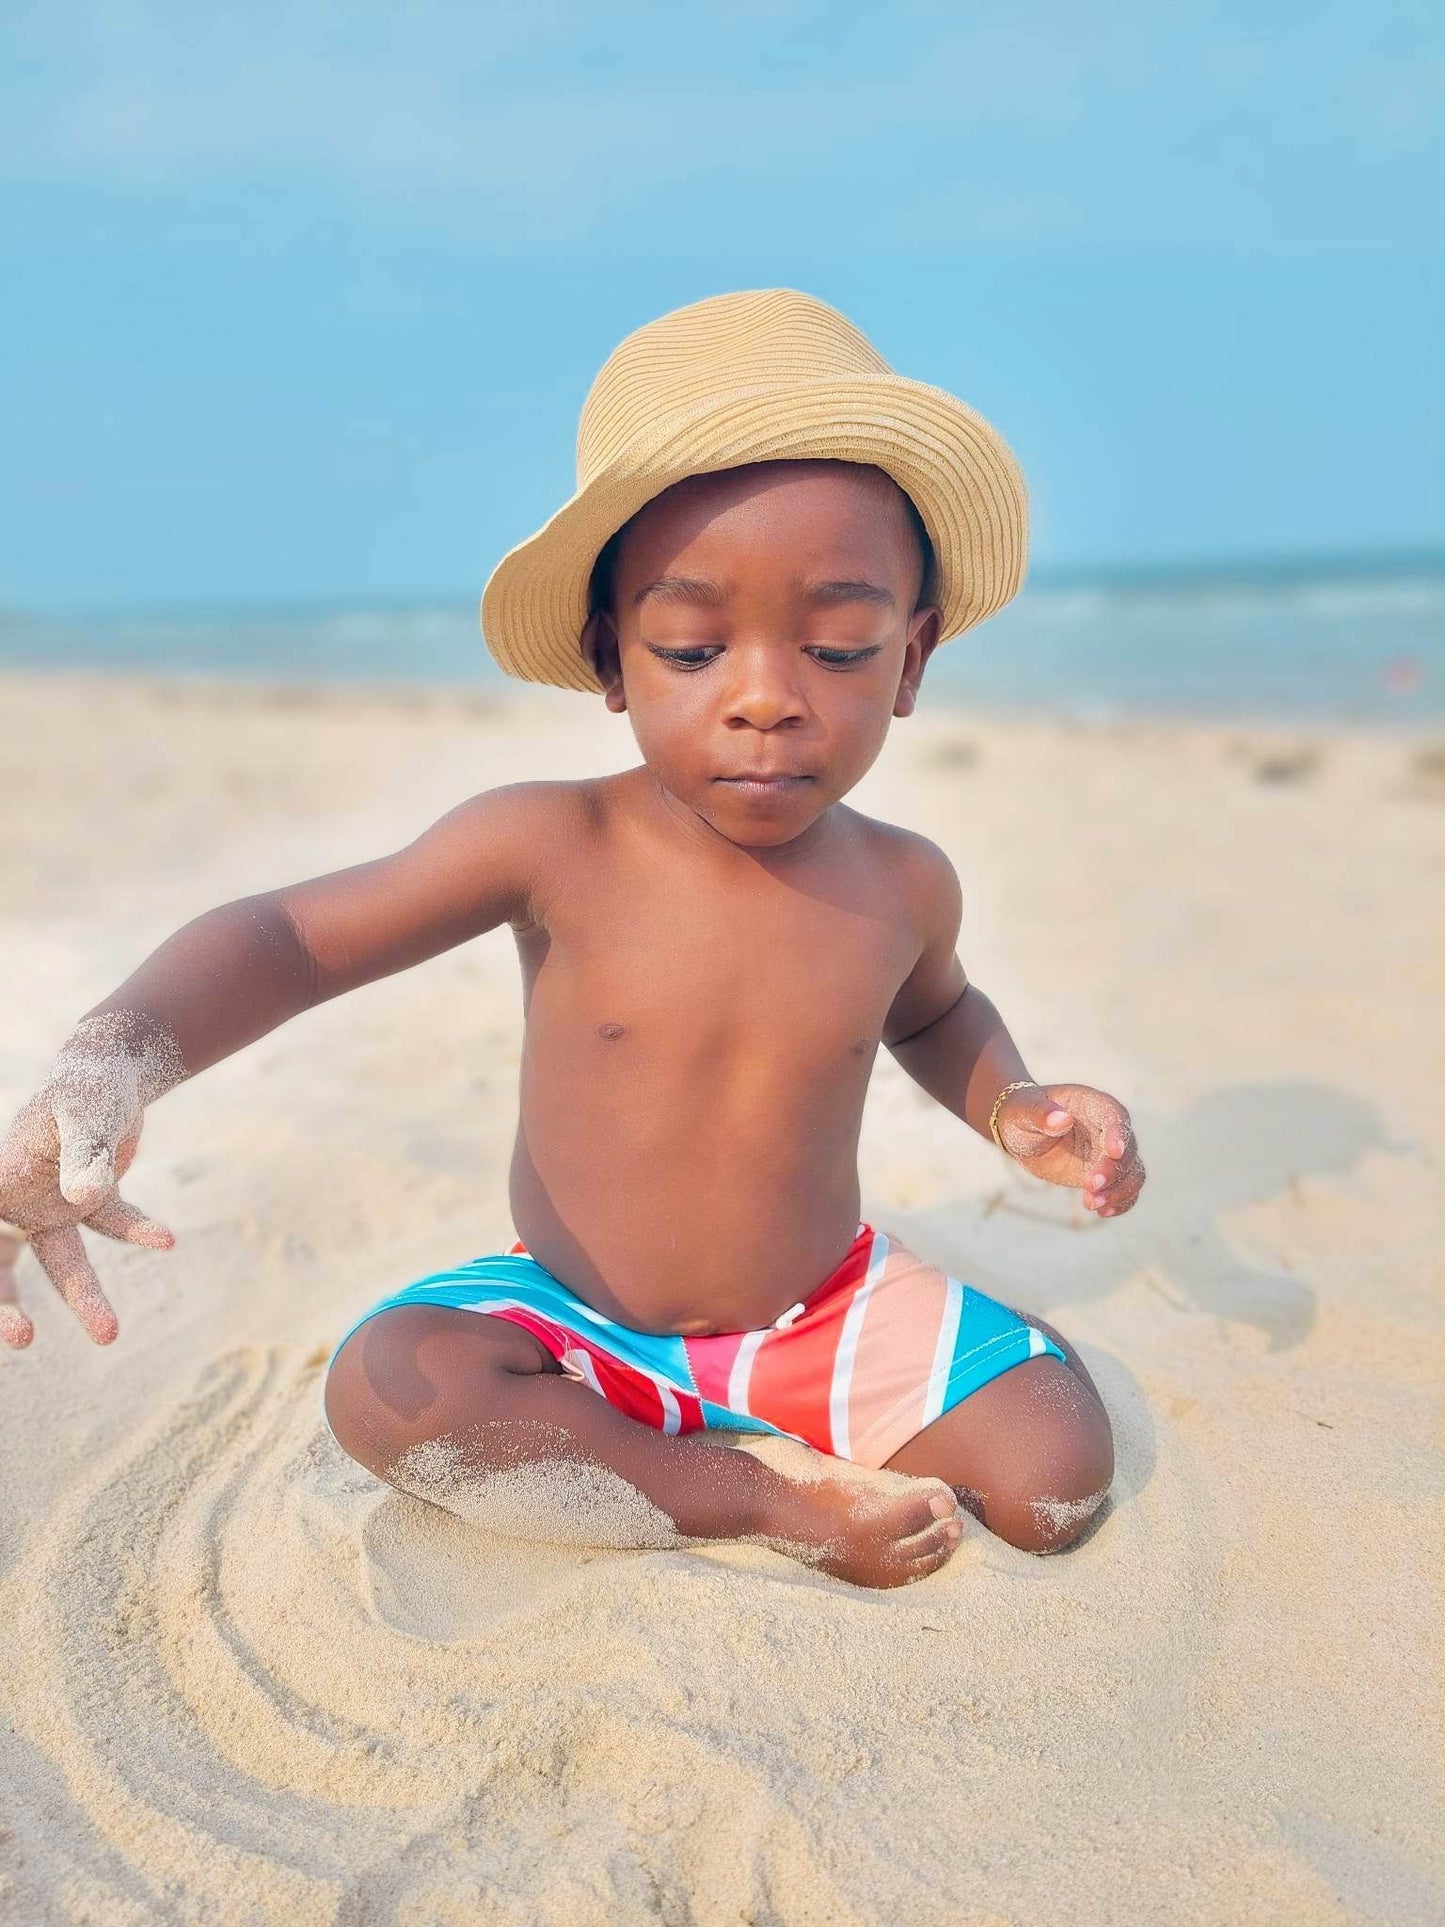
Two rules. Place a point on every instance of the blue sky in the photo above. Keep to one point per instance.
(301, 301)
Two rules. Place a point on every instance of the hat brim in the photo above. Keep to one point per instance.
(958, 470)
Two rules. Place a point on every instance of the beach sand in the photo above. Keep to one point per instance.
(241, 1682)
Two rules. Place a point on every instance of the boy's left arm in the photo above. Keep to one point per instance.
(951, 1041)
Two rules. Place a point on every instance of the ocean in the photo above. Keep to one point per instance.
(1349, 642)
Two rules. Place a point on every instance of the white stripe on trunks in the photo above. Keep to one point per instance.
(939, 1376)
(848, 1349)
(741, 1373)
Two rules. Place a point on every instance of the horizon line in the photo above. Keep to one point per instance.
(1279, 569)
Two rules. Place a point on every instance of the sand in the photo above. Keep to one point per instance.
(242, 1682)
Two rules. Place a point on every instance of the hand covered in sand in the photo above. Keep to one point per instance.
(1069, 1134)
(63, 1157)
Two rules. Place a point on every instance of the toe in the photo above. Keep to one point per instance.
(938, 1538)
(938, 1499)
(910, 1512)
(927, 1563)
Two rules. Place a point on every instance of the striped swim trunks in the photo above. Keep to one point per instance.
(882, 1348)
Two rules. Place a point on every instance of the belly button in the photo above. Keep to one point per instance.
(611, 1030)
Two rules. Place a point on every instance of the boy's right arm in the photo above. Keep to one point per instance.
(223, 981)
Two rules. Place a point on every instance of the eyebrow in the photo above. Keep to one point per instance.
(710, 595)
(825, 595)
(682, 588)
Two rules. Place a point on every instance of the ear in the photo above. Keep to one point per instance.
(601, 649)
(923, 630)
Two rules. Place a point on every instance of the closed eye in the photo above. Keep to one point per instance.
(700, 657)
(845, 658)
(685, 658)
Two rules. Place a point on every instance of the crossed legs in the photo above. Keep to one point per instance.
(1029, 1453)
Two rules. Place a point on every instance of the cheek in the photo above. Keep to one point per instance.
(671, 723)
(860, 711)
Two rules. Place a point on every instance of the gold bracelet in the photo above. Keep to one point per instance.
(1022, 1084)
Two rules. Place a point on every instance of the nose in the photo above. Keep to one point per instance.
(762, 692)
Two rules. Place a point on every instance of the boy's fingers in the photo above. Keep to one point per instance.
(1107, 1121)
(86, 1166)
(1124, 1192)
(16, 1330)
(62, 1256)
(1047, 1114)
(86, 1172)
(1031, 1115)
(90, 1124)
(1127, 1173)
(117, 1219)
(1115, 1132)
(1115, 1150)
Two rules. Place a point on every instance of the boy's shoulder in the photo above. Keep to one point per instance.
(511, 847)
(919, 872)
(916, 854)
(537, 804)
(523, 819)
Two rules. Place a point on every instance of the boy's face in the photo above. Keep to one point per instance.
(765, 621)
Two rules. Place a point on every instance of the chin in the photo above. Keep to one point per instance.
(756, 833)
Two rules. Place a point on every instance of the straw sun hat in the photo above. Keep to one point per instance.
(762, 377)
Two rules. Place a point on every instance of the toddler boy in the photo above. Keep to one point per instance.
(772, 533)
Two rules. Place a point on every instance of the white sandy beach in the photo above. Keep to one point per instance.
(243, 1683)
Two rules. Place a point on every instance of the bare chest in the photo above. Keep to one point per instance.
(636, 966)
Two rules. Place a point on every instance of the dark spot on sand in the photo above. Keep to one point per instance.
(473, 703)
(953, 752)
(1427, 771)
(1278, 762)
(1289, 768)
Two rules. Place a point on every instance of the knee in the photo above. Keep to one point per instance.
(414, 1374)
(363, 1420)
(1043, 1525)
(1061, 1471)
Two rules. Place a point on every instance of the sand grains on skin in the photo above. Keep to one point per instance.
(551, 1501)
(877, 1530)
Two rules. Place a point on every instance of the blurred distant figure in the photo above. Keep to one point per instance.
(1404, 675)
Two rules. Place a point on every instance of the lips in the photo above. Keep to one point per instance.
(766, 788)
(765, 776)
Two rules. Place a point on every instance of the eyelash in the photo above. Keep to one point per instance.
(843, 659)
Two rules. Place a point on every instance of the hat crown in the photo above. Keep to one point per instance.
(728, 344)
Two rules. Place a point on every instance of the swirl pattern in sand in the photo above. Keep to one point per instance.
(277, 1691)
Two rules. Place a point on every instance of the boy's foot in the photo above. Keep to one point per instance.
(871, 1538)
